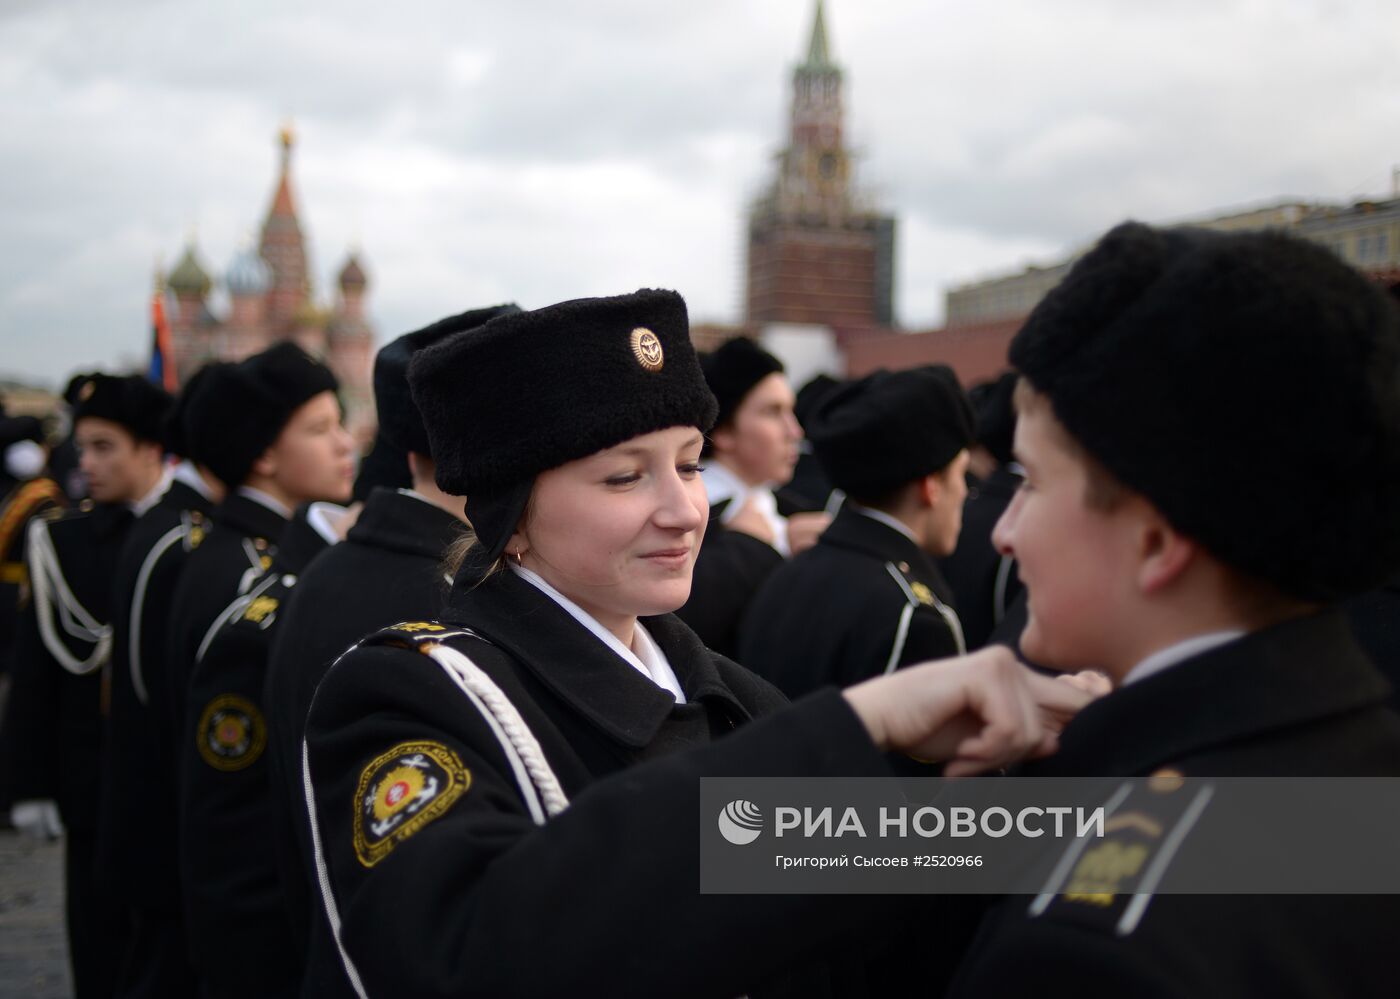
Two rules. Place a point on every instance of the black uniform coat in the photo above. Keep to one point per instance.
(23, 501)
(52, 738)
(729, 570)
(603, 898)
(864, 600)
(53, 735)
(983, 581)
(388, 569)
(1298, 699)
(232, 892)
(1375, 620)
(138, 766)
(236, 551)
(138, 760)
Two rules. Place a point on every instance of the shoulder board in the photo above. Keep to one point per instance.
(914, 591)
(196, 526)
(416, 635)
(24, 502)
(1107, 883)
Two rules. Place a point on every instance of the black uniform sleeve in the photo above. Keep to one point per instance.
(929, 637)
(30, 746)
(442, 884)
(729, 570)
(232, 894)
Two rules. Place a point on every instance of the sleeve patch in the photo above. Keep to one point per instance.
(401, 791)
(231, 733)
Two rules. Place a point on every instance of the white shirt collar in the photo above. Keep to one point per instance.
(142, 506)
(186, 472)
(894, 523)
(263, 499)
(647, 658)
(319, 515)
(1180, 652)
(722, 484)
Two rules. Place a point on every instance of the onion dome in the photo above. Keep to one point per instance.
(189, 278)
(352, 275)
(248, 274)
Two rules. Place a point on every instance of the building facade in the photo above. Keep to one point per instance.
(270, 298)
(1366, 234)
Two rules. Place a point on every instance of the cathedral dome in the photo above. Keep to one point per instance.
(249, 274)
(189, 278)
(352, 275)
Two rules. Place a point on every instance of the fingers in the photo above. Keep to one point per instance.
(1090, 680)
(1012, 720)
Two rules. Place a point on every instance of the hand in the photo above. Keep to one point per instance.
(749, 520)
(37, 820)
(804, 529)
(979, 712)
(1091, 681)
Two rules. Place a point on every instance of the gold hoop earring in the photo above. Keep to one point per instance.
(517, 559)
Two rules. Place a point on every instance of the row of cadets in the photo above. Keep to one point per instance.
(52, 737)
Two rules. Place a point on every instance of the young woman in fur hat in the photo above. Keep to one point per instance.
(504, 801)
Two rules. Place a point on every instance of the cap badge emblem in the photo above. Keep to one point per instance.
(647, 348)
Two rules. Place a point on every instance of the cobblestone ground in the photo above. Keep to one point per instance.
(33, 948)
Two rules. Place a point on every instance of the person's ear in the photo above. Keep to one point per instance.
(722, 439)
(266, 465)
(930, 490)
(1164, 554)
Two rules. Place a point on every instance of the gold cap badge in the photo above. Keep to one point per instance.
(85, 393)
(648, 349)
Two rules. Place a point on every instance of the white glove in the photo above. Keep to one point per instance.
(37, 819)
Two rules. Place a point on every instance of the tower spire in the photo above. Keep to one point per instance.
(818, 51)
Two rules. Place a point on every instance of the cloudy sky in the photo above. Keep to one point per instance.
(545, 149)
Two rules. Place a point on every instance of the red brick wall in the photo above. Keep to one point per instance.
(976, 351)
(805, 276)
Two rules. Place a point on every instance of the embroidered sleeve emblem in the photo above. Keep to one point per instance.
(400, 792)
(231, 733)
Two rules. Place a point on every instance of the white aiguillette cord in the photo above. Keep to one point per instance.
(539, 786)
(51, 591)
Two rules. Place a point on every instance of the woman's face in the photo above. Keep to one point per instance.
(617, 532)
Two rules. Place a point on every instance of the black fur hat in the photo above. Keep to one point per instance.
(996, 415)
(1247, 384)
(733, 369)
(530, 391)
(242, 409)
(129, 400)
(385, 467)
(885, 430)
(810, 396)
(180, 433)
(399, 419)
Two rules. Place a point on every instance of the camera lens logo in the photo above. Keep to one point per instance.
(740, 822)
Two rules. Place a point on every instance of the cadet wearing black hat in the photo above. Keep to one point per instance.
(52, 736)
(138, 773)
(388, 569)
(441, 756)
(287, 447)
(868, 597)
(983, 580)
(233, 904)
(752, 449)
(1210, 426)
